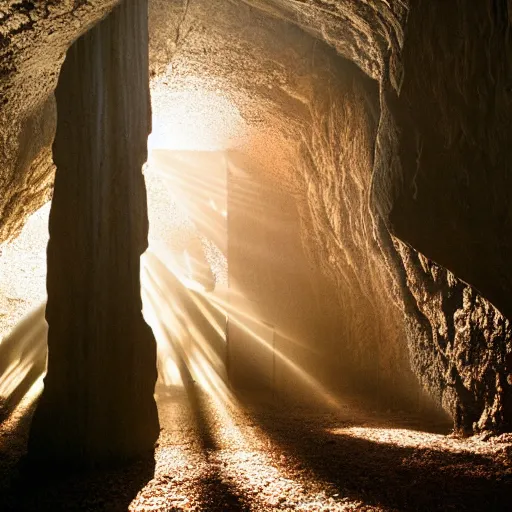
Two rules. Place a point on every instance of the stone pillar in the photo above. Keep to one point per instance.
(97, 405)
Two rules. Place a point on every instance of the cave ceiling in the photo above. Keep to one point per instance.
(34, 36)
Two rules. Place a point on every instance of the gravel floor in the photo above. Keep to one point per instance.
(218, 456)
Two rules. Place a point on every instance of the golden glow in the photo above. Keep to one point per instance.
(20, 410)
(23, 271)
(13, 377)
(407, 438)
(193, 118)
(188, 239)
(174, 308)
(189, 324)
(187, 192)
(23, 357)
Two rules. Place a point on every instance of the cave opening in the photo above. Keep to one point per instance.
(311, 342)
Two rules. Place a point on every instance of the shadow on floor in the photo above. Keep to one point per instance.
(215, 492)
(110, 491)
(377, 474)
(103, 491)
(387, 475)
(316, 448)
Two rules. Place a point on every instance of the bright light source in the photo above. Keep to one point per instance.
(193, 118)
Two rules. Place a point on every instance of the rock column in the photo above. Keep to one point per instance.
(97, 406)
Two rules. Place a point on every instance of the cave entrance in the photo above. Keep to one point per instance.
(268, 269)
(226, 286)
(216, 270)
(226, 146)
(247, 173)
(184, 273)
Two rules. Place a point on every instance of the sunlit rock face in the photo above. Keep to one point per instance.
(34, 37)
(369, 33)
(101, 354)
(345, 238)
(439, 182)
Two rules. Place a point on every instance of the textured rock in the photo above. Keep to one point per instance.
(101, 354)
(341, 236)
(34, 37)
(447, 196)
(369, 32)
(461, 346)
(439, 182)
(453, 115)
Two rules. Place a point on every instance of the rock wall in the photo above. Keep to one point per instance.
(453, 113)
(101, 355)
(448, 148)
(341, 236)
(439, 182)
(460, 345)
(369, 33)
(34, 37)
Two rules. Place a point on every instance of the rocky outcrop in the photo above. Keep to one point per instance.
(34, 37)
(461, 346)
(101, 354)
(400, 310)
(449, 175)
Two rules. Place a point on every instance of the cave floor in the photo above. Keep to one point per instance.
(214, 455)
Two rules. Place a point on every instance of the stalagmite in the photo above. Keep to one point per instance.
(97, 405)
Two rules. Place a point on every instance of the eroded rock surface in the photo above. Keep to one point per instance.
(34, 37)
(449, 201)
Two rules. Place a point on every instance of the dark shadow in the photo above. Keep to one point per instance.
(22, 359)
(386, 475)
(109, 490)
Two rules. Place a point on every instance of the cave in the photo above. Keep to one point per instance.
(253, 255)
